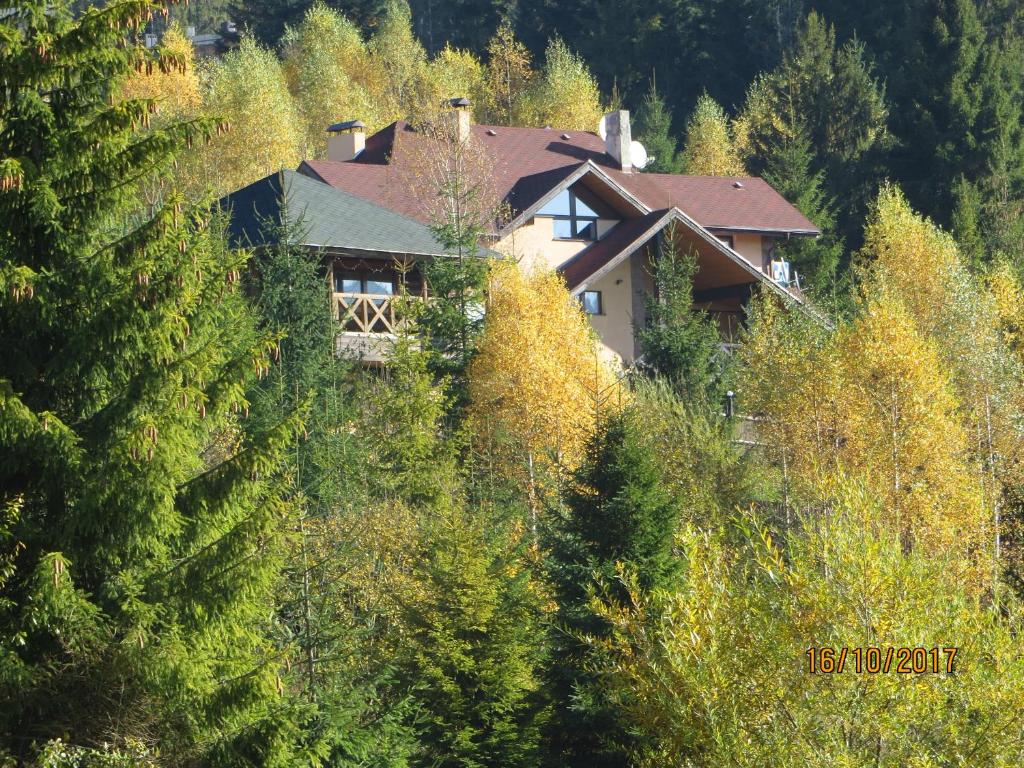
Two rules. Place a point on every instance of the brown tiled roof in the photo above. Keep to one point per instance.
(626, 234)
(523, 160)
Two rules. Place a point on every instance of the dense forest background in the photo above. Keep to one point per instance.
(828, 100)
(222, 544)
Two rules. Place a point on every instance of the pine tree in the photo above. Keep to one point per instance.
(709, 149)
(966, 222)
(348, 715)
(680, 342)
(617, 528)
(828, 93)
(147, 529)
(654, 131)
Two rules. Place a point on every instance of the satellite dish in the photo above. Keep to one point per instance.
(638, 155)
(602, 128)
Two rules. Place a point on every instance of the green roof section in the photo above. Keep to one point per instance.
(321, 216)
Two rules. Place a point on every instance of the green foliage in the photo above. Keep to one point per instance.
(466, 613)
(618, 518)
(825, 94)
(789, 171)
(147, 530)
(681, 342)
(654, 130)
(247, 88)
(323, 57)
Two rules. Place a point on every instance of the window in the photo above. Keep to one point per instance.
(592, 303)
(574, 218)
(375, 284)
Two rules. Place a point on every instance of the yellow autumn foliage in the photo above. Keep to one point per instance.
(566, 95)
(871, 403)
(709, 148)
(537, 385)
(175, 90)
(903, 435)
(910, 259)
(247, 88)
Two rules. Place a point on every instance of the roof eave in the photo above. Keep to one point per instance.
(587, 167)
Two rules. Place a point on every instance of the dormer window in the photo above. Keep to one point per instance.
(575, 215)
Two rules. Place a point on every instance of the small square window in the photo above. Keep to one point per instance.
(592, 303)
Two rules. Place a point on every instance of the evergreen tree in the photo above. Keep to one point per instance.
(465, 613)
(680, 342)
(348, 715)
(654, 130)
(966, 222)
(829, 94)
(617, 527)
(789, 171)
(145, 530)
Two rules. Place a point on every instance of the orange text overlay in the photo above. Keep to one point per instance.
(875, 660)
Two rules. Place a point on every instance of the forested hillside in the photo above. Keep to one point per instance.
(224, 544)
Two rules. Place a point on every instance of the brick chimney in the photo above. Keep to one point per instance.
(346, 140)
(618, 138)
(461, 115)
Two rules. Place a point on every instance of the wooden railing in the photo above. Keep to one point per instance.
(367, 312)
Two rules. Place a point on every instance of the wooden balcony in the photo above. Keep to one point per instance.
(365, 312)
(369, 323)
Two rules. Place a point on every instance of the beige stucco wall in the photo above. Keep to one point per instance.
(534, 243)
(748, 246)
(615, 326)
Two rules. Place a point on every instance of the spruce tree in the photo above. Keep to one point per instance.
(654, 130)
(616, 528)
(144, 531)
(464, 641)
(789, 169)
(347, 714)
(680, 343)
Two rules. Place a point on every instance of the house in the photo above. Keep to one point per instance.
(369, 251)
(577, 202)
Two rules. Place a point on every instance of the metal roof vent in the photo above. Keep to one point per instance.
(491, 132)
(737, 185)
(566, 137)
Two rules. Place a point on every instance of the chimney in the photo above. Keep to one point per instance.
(461, 115)
(346, 140)
(618, 138)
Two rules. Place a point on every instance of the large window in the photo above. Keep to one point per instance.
(351, 281)
(575, 215)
